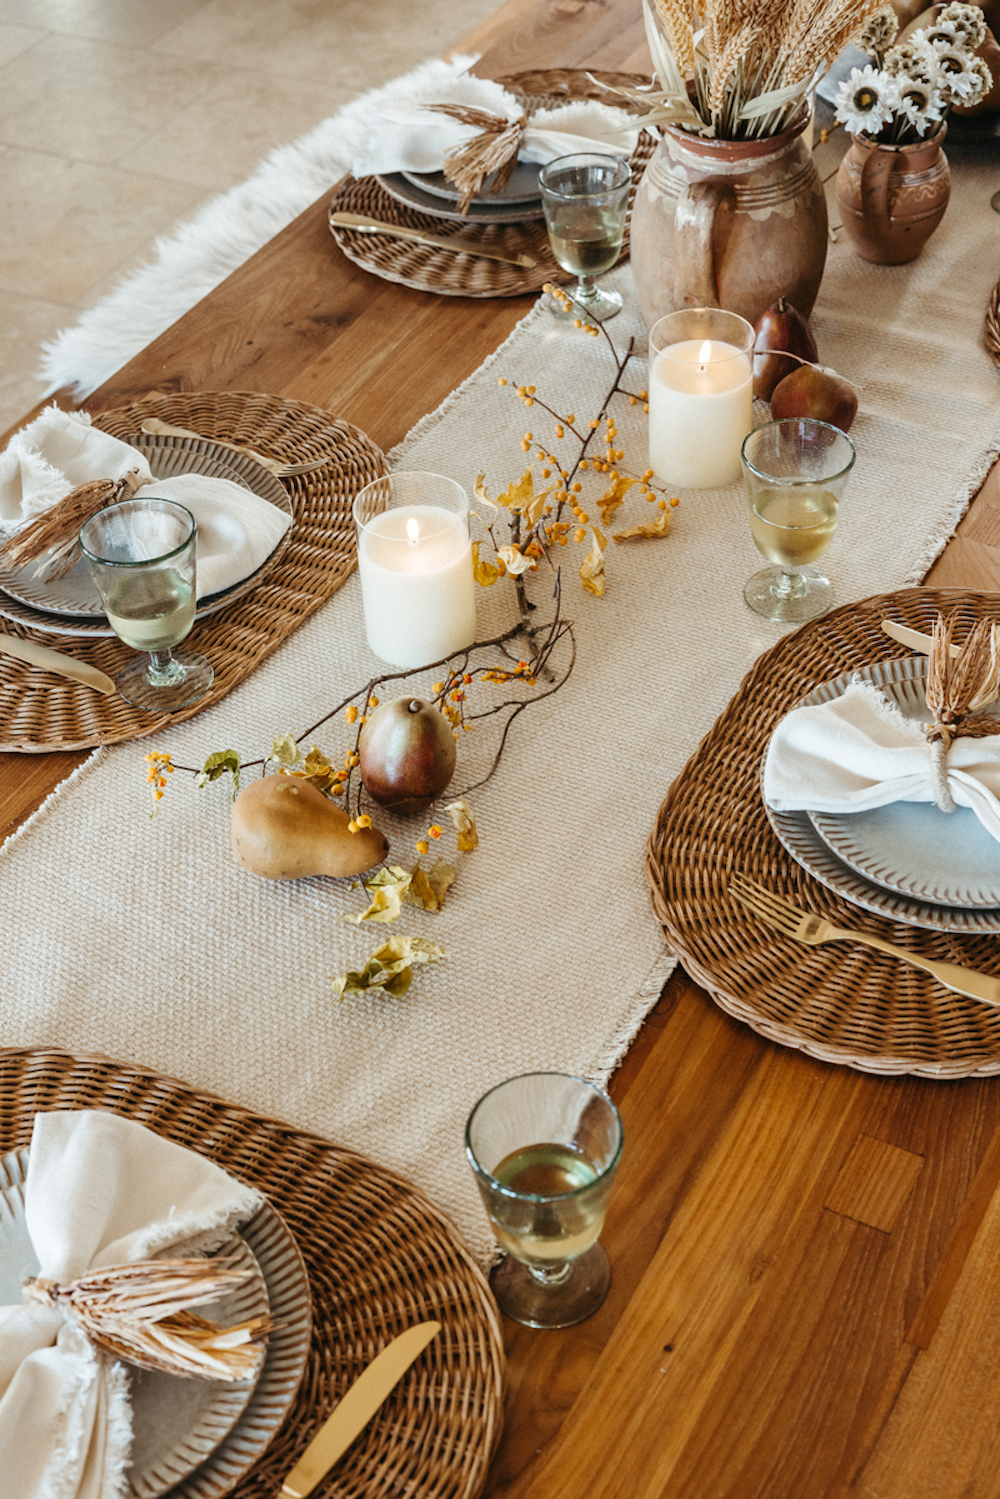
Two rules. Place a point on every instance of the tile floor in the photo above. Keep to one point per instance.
(118, 118)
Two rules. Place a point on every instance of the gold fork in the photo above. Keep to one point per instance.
(791, 922)
(157, 428)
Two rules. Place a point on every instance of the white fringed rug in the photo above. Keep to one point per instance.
(198, 255)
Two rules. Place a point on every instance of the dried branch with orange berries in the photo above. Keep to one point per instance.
(457, 700)
(540, 515)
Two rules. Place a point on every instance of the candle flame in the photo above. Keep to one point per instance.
(412, 529)
(705, 353)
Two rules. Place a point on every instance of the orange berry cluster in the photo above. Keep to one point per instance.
(159, 767)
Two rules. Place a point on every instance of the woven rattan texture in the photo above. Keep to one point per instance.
(380, 1258)
(840, 1002)
(44, 712)
(991, 325)
(429, 269)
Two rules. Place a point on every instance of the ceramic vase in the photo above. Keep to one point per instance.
(892, 198)
(732, 224)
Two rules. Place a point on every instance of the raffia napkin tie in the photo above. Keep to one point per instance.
(103, 1197)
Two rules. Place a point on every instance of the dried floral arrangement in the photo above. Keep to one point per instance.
(961, 682)
(743, 71)
(915, 84)
(493, 681)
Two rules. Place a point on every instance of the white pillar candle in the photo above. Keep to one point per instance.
(417, 584)
(700, 396)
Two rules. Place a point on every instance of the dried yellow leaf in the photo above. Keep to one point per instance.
(518, 493)
(592, 566)
(428, 888)
(658, 527)
(614, 497)
(465, 824)
(515, 561)
(484, 573)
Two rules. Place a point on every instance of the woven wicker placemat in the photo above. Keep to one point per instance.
(426, 268)
(41, 711)
(840, 1002)
(380, 1258)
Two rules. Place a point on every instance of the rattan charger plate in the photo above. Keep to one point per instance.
(380, 1258)
(839, 1002)
(426, 268)
(44, 712)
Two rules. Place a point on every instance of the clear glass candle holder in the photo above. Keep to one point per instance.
(415, 561)
(796, 472)
(544, 1148)
(700, 396)
(585, 197)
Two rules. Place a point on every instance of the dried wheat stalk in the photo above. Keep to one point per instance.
(958, 688)
(494, 150)
(747, 66)
(991, 329)
(141, 1313)
(55, 535)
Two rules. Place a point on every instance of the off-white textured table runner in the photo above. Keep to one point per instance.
(142, 939)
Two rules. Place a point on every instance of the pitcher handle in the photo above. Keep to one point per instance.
(875, 171)
(694, 263)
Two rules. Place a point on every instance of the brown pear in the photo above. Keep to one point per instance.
(283, 828)
(814, 391)
(406, 754)
(781, 331)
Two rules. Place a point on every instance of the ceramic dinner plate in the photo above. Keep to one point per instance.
(195, 1437)
(939, 851)
(488, 211)
(71, 605)
(521, 187)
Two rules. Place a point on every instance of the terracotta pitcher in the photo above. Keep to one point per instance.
(892, 198)
(733, 224)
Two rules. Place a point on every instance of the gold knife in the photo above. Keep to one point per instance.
(460, 245)
(57, 661)
(915, 639)
(356, 1409)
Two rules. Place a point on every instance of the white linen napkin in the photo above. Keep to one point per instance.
(860, 752)
(46, 460)
(41, 465)
(100, 1191)
(237, 530)
(407, 136)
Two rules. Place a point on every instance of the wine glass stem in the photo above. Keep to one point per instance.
(163, 670)
(551, 1275)
(789, 583)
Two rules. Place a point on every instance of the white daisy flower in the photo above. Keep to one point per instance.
(866, 101)
(943, 35)
(921, 106)
(961, 82)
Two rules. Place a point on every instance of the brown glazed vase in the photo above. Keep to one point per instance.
(892, 198)
(733, 224)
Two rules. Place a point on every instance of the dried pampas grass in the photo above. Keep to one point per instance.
(141, 1313)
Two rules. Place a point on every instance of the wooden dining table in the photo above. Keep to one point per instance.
(805, 1300)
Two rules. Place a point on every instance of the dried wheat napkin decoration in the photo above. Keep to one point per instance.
(120, 1223)
(53, 539)
(958, 688)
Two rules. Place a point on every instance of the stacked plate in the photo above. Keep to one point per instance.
(518, 202)
(70, 605)
(194, 1437)
(908, 861)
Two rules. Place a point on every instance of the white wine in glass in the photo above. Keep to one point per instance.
(544, 1148)
(585, 197)
(142, 557)
(795, 472)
